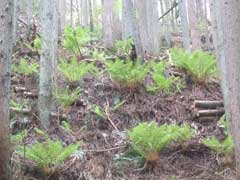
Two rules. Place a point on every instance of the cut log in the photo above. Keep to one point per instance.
(210, 112)
(30, 94)
(18, 110)
(208, 104)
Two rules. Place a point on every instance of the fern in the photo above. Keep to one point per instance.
(75, 39)
(24, 68)
(127, 74)
(67, 97)
(148, 139)
(37, 44)
(49, 155)
(161, 82)
(75, 71)
(224, 147)
(124, 46)
(199, 64)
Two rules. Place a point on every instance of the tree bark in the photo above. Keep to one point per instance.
(48, 59)
(131, 22)
(185, 25)
(6, 11)
(227, 41)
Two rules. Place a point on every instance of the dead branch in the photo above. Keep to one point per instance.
(19, 110)
(174, 5)
(208, 104)
(209, 113)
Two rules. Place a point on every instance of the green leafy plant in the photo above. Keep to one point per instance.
(224, 147)
(24, 68)
(17, 139)
(37, 44)
(124, 46)
(67, 97)
(199, 64)
(74, 71)
(161, 82)
(48, 155)
(17, 105)
(66, 126)
(127, 73)
(98, 55)
(75, 39)
(148, 139)
(99, 112)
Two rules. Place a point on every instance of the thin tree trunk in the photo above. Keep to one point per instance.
(185, 25)
(48, 57)
(131, 21)
(227, 40)
(5, 62)
(91, 15)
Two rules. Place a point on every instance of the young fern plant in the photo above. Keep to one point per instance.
(200, 65)
(48, 155)
(222, 147)
(24, 68)
(124, 46)
(161, 82)
(75, 39)
(148, 139)
(127, 73)
(67, 97)
(74, 71)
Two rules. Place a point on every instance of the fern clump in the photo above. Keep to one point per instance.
(67, 97)
(199, 64)
(224, 147)
(24, 68)
(148, 139)
(124, 46)
(48, 155)
(75, 39)
(127, 73)
(74, 71)
(161, 81)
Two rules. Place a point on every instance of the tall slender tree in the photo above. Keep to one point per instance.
(227, 42)
(48, 57)
(131, 22)
(5, 61)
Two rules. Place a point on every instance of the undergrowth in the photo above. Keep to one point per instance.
(48, 155)
(200, 65)
(67, 97)
(25, 68)
(148, 139)
(74, 71)
(161, 81)
(124, 46)
(74, 39)
(127, 73)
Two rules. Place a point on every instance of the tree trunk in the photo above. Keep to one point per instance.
(185, 25)
(227, 41)
(131, 22)
(193, 23)
(108, 18)
(48, 57)
(91, 15)
(5, 62)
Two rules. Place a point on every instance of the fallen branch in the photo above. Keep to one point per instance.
(19, 110)
(108, 117)
(208, 104)
(174, 5)
(104, 150)
(30, 94)
(209, 113)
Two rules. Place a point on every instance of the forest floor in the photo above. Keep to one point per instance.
(106, 151)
